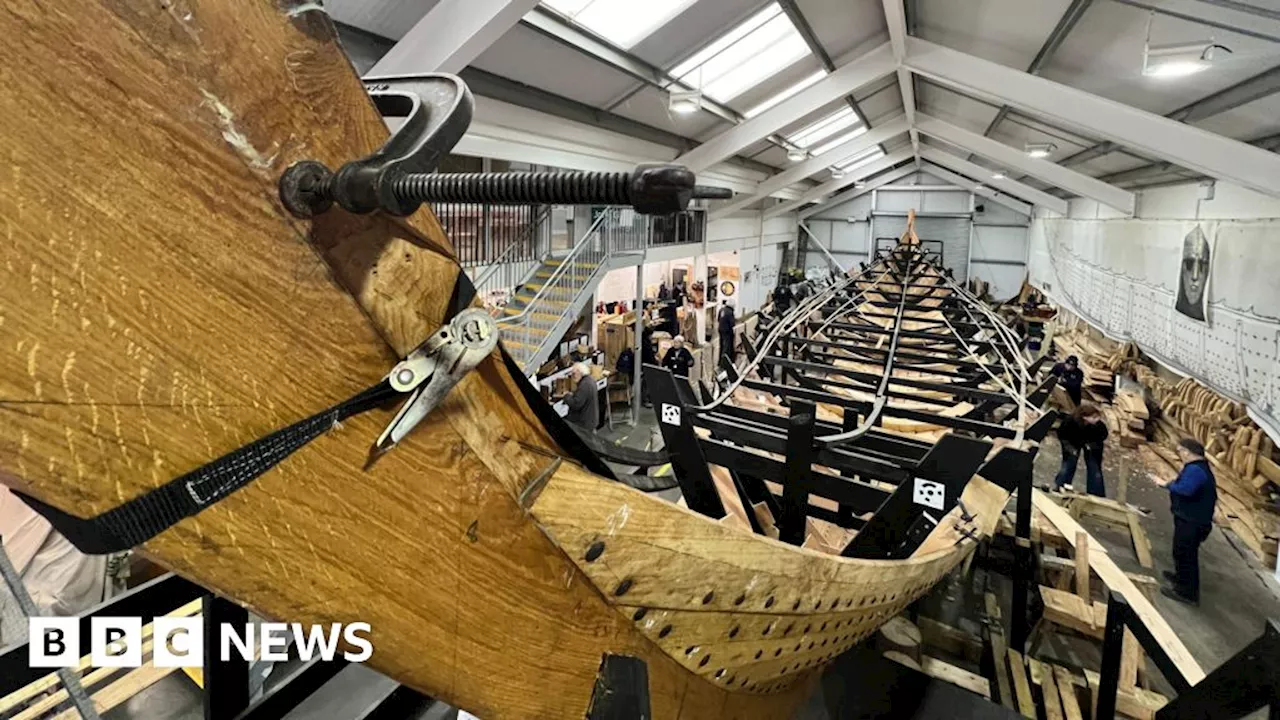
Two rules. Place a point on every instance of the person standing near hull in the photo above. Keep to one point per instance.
(724, 322)
(1083, 432)
(1071, 377)
(1192, 496)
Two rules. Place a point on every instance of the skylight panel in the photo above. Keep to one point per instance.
(838, 140)
(621, 22)
(824, 128)
(861, 159)
(745, 56)
(785, 94)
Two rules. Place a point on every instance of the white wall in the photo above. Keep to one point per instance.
(997, 252)
(759, 245)
(1121, 274)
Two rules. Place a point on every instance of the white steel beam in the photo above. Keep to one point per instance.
(868, 186)
(865, 70)
(852, 148)
(451, 35)
(895, 18)
(1014, 159)
(976, 188)
(825, 189)
(1013, 187)
(1188, 146)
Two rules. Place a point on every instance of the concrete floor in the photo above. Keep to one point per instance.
(1237, 595)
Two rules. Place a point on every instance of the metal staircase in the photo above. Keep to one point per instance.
(546, 306)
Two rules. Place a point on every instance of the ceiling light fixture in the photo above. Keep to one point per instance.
(1180, 59)
(836, 173)
(685, 101)
(796, 155)
(998, 175)
(1040, 150)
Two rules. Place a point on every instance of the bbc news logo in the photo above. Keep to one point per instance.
(178, 642)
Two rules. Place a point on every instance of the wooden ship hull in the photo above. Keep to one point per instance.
(161, 309)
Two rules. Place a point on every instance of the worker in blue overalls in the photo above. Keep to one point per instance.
(1193, 495)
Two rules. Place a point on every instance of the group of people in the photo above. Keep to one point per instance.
(1192, 494)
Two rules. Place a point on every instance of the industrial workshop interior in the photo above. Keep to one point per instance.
(639, 359)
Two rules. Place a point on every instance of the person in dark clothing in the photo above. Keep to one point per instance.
(1071, 377)
(782, 298)
(724, 322)
(648, 356)
(678, 359)
(664, 293)
(1193, 495)
(1084, 431)
(670, 318)
(583, 402)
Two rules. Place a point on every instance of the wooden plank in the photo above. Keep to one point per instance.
(1130, 661)
(1049, 690)
(941, 670)
(1141, 544)
(121, 690)
(1269, 469)
(1021, 687)
(1000, 659)
(951, 640)
(1137, 703)
(1116, 580)
(1035, 670)
(1071, 611)
(1067, 693)
(1082, 566)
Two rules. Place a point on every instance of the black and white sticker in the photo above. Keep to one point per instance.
(670, 414)
(929, 494)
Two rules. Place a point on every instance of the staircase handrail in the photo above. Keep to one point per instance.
(502, 259)
(568, 260)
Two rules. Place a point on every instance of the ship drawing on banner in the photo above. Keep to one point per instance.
(1193, 276)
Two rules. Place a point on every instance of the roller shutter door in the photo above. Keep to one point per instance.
(953, 232)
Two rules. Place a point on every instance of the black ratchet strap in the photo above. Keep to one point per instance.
(142, 518)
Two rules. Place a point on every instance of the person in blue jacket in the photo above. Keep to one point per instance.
(1192, 494)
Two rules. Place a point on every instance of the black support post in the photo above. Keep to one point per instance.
(795, 492)
(1112, 647)
(1023, 562)
(671, 396)
(226, 681)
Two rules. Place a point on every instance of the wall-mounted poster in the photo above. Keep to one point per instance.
(1193, 276)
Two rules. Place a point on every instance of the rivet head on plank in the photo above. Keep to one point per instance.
(665, 631)
(594, 550)
(705, 659)
(623, 587)
(639, 614)
(706, 599)
(733, 632)
(769, 603)
(740, 599)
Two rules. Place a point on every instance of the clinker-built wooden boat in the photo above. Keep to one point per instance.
(163, 308)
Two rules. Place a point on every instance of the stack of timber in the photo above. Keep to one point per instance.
(1241, 453)
(1074, 603)
(1100, 358)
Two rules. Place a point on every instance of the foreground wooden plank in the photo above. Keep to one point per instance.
(1141, 544)
(1052, 703)
(1067, 693)
(1021, 687)
(1119, 582)
(941, 670)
